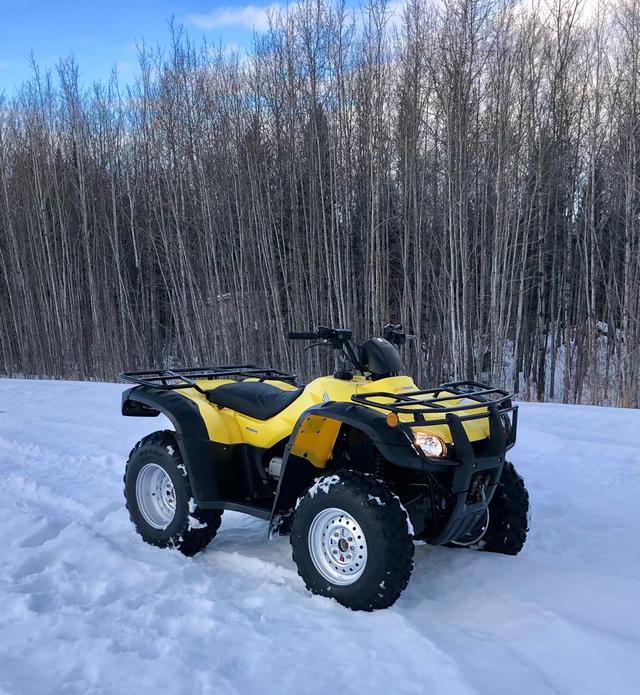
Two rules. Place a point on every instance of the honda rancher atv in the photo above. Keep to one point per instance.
(355, 466)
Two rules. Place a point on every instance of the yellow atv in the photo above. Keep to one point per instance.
(355, 466)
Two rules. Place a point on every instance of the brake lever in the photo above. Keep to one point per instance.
(322, 343)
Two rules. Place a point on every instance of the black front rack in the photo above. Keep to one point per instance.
(172, 379)
(482, 395)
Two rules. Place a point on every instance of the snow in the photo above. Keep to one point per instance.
(194, 523)
(86, 607)
(410, 529)
(321, 484)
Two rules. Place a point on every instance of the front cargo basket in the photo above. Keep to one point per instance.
(430, 401)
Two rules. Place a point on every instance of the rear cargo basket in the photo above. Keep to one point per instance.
(172, 379)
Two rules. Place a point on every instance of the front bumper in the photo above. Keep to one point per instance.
(432, 408)
(466, 462)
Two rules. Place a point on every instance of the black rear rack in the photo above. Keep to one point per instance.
(494, 399)
(172, 379)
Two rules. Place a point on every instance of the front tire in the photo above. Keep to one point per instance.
(159, 500)
(351, 541)
(509, 514)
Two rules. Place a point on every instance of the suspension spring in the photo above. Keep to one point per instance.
(379, 468)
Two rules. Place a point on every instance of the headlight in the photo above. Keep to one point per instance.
(430, 444)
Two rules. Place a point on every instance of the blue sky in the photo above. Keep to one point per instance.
(103, 34)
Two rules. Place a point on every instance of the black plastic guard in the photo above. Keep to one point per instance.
(191, 432)
(465, 515)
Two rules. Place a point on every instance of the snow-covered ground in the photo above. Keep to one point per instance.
(86, 607)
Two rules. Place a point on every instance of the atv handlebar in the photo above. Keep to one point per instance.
(340, 339)
(393, 332)
(302, 335)
(336, 336)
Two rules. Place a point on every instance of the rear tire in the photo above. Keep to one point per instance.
(159, 500)
(351, 541)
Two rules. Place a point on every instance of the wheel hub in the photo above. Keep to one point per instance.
(156, 496)
(337, 546)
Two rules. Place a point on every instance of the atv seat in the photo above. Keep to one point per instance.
(253, 398)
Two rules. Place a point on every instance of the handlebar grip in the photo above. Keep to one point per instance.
(302, 335)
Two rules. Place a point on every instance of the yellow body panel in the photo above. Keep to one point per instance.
(315, 439)
(230, 427)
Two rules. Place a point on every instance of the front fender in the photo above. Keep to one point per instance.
(313, 439)
(317, 429)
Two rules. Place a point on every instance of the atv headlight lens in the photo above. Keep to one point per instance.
(430, 445)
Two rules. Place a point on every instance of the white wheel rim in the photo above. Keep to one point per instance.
(156, 496)
(337, 546)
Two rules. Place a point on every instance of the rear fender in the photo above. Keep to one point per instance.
(191, 433)
(311, 446)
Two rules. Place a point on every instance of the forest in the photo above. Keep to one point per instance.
(469, 168)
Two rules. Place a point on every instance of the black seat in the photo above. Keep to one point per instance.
(253, 398)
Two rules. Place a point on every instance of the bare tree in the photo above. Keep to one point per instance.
(470, 168)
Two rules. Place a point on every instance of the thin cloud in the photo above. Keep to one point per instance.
(248, 17)
(256, 17)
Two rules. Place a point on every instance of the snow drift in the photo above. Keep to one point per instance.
(86, 607)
